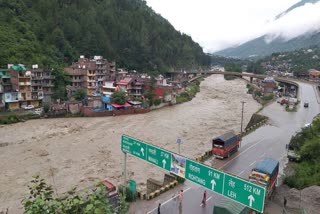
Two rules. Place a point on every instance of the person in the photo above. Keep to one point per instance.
(180, 196)
(204, 199)
(284, 202)
(159, 208)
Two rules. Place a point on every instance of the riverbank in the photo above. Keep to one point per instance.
(77, 151)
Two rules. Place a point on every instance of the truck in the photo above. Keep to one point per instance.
(225, 145)
(265, 174)
(230, 207)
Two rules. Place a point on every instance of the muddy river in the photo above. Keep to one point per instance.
(77, 151)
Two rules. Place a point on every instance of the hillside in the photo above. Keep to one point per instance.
(259, 47)
(48, 32)
(284, 34)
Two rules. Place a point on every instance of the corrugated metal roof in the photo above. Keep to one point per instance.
(229, 207)
(225, 137)
(267, 165)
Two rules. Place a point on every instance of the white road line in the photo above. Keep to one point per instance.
(263, 154)
(241, 154)
(185, 190)
(241, 172)
(252, 163)
(206, 200)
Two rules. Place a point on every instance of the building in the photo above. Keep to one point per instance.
(314, 75)
(108, 88)
(269, 85)
(90, 74)
(36, 83)
(47, 85)
(132, 86)
(6, 82)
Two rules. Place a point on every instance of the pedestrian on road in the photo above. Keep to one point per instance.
(284, 202)
(204, 199)
(180, 196)
(159, 208)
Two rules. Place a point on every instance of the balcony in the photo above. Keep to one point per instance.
(37, 78)
(91, 74)
(47, 84)
(48, 77)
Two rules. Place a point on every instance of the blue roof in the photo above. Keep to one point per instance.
(267, 166)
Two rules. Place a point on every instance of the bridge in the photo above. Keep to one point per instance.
(196, 75)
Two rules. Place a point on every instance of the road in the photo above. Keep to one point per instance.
(267, 141)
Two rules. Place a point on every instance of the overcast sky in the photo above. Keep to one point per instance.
(217, 24)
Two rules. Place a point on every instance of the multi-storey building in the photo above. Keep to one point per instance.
(36, 83)
(90, 74)
(21, 81)
(6, 83)
(47, 85)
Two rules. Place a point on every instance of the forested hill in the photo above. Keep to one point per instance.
(128, 31)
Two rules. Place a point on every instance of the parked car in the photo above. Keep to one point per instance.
(27, 107)
(38, 111)
(306, 104)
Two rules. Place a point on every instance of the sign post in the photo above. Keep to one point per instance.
(232, 187)
(247, 193)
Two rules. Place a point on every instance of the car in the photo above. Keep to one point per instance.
(28, 107)
(306, 104)
(38, 111)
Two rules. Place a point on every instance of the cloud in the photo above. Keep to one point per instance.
(302, 20)
(216, 25)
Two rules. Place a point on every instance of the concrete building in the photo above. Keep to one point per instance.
(90, 74)
(314, 75)
(268, 85)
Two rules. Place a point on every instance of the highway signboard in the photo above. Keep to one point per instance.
(134, 147)
(237, 189)
(247, 193)
(205, 176)
(158, 157)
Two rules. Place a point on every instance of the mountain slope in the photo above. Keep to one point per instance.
(58, 31)
(260, 47)
(299, 4)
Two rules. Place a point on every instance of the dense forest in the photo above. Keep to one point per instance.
(50, 32)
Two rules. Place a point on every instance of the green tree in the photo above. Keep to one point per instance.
(80, 94)
(42, 199)
(119, 97)
(61, 80)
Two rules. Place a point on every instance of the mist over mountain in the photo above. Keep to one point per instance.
(297, 27)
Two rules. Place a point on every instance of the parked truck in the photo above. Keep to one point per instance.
(225, 145)
(265, 174)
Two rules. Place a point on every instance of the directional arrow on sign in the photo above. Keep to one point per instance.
(213, 183)
(251, 199)
(164, 163)
(142, 151)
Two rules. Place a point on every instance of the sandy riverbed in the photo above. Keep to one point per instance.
(76, 151)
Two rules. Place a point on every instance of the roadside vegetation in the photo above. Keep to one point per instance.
(307, 144)
(15, 118)
(258, 96)
(190, 92)
(43, 199)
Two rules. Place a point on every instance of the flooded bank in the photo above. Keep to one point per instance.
(76, 151)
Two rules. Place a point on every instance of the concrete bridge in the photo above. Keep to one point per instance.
(189, 76)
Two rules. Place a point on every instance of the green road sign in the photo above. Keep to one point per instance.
(134, 147)
(245, 192)
(237, 189)
(158, 157)
(205, 176)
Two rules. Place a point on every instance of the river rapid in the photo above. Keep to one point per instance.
(78, 151)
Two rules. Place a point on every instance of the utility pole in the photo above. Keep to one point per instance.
(124, 173)
(242, 116)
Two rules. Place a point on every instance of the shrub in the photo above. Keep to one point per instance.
(157, 102)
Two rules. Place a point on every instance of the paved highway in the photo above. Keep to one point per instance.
(267, 141)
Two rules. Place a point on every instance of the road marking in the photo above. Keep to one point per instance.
(240, 154)
(206, 200)
(263, 154)
(252, 163)
(185, 190)
(241, 172)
